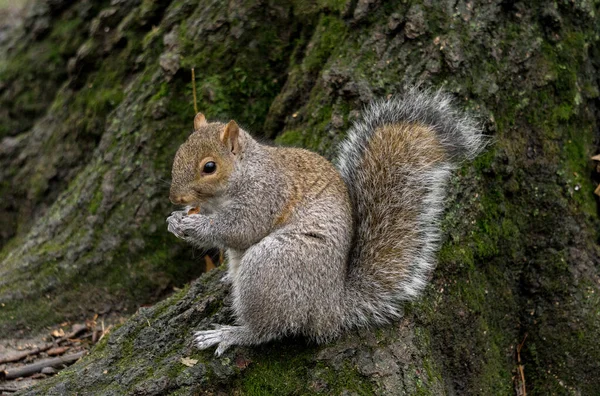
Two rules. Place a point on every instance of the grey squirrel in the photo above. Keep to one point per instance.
(313, 249)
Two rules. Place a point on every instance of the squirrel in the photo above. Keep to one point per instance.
(315, 249)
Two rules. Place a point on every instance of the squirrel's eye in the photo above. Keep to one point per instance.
(209, 167)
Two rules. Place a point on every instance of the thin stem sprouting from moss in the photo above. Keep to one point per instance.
(194, 91)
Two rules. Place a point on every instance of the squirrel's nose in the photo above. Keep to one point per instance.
(175, 199)
(176, 196)
(180, 199)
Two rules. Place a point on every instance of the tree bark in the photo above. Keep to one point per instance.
(95, 99)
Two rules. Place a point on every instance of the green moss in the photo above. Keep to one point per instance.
(162, 92)
(102, 92)
(329, 34)
(100, 346)
(292, 137)
(273, 374)
(577, 153)
(343, 379)
(231, 88)
(428, 377)
(31, 315)
(554, 109)
(482, 263)
(480, 294)
(36, 71)
(481, 329)
(95, 202)
(286, 373)
(306, 9)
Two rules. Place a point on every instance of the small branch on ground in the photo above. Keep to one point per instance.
(9, 389)
(77, 329)
(36, 367)
(104, 332)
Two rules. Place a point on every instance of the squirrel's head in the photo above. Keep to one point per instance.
(203, 163)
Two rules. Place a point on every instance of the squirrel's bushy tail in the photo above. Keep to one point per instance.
(396, 162)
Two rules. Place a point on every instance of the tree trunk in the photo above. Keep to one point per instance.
(95, 97)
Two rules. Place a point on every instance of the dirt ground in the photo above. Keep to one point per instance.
(67, 342)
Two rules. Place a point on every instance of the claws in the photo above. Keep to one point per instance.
(221, 348)
(176, 226)
(227, 279)
(186, 227)
(208, 338)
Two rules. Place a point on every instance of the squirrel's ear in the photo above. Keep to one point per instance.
(231, 137)
(199, 121)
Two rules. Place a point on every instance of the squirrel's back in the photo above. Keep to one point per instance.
(395, 162)
(310, 178)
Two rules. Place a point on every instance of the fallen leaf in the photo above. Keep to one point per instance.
(241, 362)
(57, 351)
(188, 362)
(596, 157)
(210, 265)
(58, 333)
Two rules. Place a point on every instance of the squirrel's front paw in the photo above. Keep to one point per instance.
(174, 222)
(187, 227)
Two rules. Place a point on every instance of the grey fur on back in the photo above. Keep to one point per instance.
(408, 196)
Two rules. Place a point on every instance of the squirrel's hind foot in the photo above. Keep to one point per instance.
(227, 336)
(220, 335)
(227, 279)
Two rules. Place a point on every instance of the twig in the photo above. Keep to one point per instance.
(194, 91)
(40, 349)
(521, 368)
(105, 332)
(81, 338)
(24, 354)
(36, 367)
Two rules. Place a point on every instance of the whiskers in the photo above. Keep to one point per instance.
(163, 182)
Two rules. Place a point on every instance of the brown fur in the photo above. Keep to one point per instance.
(199, 121)
(408, 150)
(308, 177)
